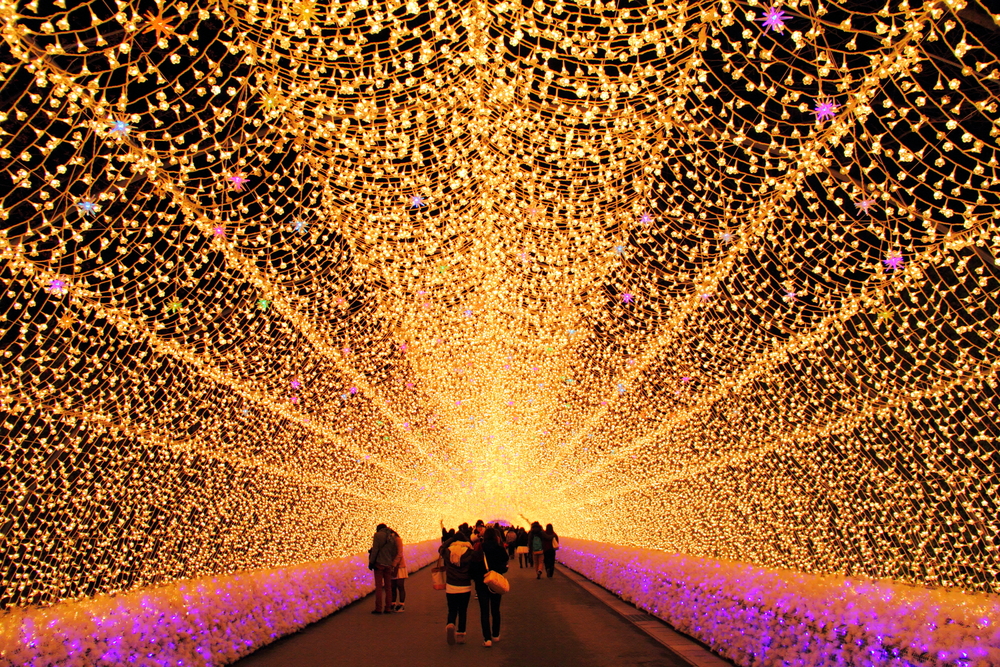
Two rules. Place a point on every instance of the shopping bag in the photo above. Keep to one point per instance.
(438, 576)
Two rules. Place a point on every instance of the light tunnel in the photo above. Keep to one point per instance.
(710, 286)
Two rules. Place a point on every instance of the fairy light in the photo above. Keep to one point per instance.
(712, 278)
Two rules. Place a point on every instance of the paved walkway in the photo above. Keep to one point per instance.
(547, 623)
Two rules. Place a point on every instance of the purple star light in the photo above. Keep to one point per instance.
(893, 261)
(626, 297)
(57, 286)
(774, 19)
(825, 109)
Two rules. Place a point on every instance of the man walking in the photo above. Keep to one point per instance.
(380, 559)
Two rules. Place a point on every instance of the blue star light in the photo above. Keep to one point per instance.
(619, 249)
(120, 128)
(416, 201)
(87, 207)
(299, 225)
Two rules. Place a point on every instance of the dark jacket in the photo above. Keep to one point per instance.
(547, 538)
(531, 539)
(383, 551)
(457, 573)
(492, 557)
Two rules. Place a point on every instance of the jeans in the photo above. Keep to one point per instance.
(550, 562)
(458, 607)
(489, 602)
(383, 584)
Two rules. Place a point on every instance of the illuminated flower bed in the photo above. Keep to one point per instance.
(202, 622)
(759, 616)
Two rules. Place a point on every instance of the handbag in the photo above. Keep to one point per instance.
(496, 582)
(438, 575)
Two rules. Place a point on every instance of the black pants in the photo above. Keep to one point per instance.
(489, 602)
(550, 562)
(458, 607)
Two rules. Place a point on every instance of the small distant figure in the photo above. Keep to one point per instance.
(523, 550)
(380, 559)
(550, 542)
(510, 539)
(399, 576)
(458, 555)
(492, 556)
(536, 542)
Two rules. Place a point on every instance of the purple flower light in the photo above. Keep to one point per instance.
(57, 286)
(626, 297)
(774, 19)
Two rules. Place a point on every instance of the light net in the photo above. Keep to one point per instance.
(709, 277)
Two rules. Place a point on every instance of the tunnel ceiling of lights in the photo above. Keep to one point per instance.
(710, 277)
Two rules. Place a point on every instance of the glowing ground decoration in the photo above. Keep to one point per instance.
(406, 208)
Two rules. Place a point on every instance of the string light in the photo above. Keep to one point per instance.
(275, 272)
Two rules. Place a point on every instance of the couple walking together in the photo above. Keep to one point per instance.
(385, 560)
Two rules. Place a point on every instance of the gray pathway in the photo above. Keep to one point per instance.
(546, 623)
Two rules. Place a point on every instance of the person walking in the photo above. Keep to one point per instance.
(492, 556)
(380, 559)
(399, 576)
(523, 551)
(536, 544)
(550, 542)
(458, 556)
(510, 539)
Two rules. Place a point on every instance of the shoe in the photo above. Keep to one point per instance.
(377, 611)
(487, 643)
(449, 631)
(387, 611)
(539, 576)
(400, 608)
(460, 637)
(497, 638)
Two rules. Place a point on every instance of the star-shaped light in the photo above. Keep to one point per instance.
(87, 207)
(299, 225)
(294, 399)
(626, 297)
(467, 312)
(57, 286)
(705, 296)
(403, 347)
(773, 19)
(884, 315)
(296, 383)
(645, 218)
(865, 205)
(621, 388)
(119, 128)
(825, 109)
(173, 306)
(893, 261)
(219, 231)
(237, 181)
(159, 24)
(353, 390)
(66, 320)
(790, 295)
(727, 237)
(416, 201)
(263, 304)
(619, 249)
(346, 351)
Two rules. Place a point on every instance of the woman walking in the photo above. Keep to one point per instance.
(458, 555)
(536, 544)
(550, 542)
(492, 556)
(523, 551)
(399, 578)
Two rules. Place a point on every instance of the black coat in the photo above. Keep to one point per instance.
(492, 557)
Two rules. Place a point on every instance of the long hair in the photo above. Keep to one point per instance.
(491, 536)
(548, 528)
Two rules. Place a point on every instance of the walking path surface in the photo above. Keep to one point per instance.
(546, 623)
